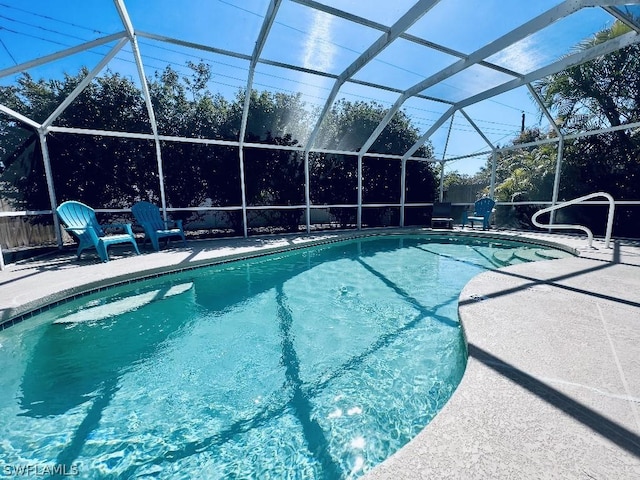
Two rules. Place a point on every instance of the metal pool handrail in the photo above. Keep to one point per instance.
(612, 207)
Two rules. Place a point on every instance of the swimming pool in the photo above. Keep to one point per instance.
(317, 363)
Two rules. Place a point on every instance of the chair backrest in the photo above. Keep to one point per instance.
(442, 210)
(484, 206)
(76, 215)
(148, 214)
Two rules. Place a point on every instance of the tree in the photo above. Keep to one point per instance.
(103, 171)
(347, 126)
(114, 172)
(600, 93)
(526, 173)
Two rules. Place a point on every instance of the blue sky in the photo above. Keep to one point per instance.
(310, 39)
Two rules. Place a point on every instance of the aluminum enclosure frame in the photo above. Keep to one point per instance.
(397, 30)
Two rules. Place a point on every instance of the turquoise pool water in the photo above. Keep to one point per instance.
(316, 363)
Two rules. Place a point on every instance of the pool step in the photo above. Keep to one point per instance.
(551, 254)
(503, 257)
(124, 305)
(524, 255)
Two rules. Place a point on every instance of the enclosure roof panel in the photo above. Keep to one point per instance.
(398, 54)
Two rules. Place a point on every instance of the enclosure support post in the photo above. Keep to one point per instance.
(243, 191)
(556, 180)
(307, 191)
(49, 176)
(126, 22)
(359, 220)
(494, 166)
(556, 128)
(403, 188)
(441, 193)
(269, 18)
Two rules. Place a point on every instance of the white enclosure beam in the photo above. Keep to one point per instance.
(50, 187)
(547, 18)
(556, 179)
(85, 81)
(19, 116)
(609, 46)
(571, 60)
(559, 156)
(477, 129)
(629, 22)
(262, 38)
(428, 133)
(307, 192)
(126, 21)
(441, 187)
(405, 36)
(494, 168)
(62, 54)
(407, 20)
(273, 63)
(443, 162)
(214, 141)
(403, 190)
(257, 50)
(359, 175)
(543, 108)
(543, 20)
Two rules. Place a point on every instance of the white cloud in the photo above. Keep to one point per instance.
(523, 56)
(318, 52)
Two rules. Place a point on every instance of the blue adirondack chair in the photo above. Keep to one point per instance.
(481, 213)
(80, 220)
(148, 216)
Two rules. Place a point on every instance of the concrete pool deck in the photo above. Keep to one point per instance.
(552, 385)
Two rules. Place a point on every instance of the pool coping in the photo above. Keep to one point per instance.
(463, 426)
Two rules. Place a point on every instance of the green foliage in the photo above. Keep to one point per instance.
(114, 172)
(347, 127)
(456, 178)
(600, 93)
(528, 173)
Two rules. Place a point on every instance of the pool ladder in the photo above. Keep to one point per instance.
(612, 206)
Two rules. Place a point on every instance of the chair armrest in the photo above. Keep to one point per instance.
(112, 225)
(124, 226)
(173, 223)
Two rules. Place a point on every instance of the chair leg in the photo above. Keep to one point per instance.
(102, 252)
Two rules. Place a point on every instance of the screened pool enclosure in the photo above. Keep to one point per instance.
(356, 112)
